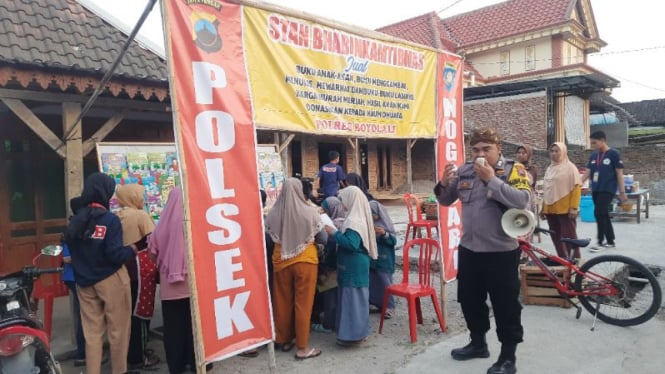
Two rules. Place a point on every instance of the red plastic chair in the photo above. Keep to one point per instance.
(414, 291)
(416, 220)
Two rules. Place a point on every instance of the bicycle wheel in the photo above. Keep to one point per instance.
(639, 294)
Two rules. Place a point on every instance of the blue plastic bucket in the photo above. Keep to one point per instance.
(586, 209)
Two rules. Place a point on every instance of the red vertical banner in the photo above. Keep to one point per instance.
(449, 149)
(216, 142)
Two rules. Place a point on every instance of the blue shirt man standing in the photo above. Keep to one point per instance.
(331, 176)
(605, 169)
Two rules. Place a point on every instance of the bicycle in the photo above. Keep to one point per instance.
(613, 288)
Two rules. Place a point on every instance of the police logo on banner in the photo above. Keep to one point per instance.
(205, 31)
(449, 72)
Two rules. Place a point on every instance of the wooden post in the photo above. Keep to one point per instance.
(559, 123)
(34, 123)
(272, 365)
(356, 154)
(409, 170)
(283, 149)
(103, 131)
(73, 151)
(442, 299)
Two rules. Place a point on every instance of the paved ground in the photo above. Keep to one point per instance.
(555, 342)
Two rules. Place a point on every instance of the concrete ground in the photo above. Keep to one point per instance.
(555, 342)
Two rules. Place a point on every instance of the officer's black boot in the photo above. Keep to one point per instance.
(476, 349)
(506, 362)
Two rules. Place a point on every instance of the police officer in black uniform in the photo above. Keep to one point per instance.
(488, 258)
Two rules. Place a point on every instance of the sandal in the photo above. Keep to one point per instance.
(148, 362)
(251, 353)
(313, 352)
(350, 343)
(286, 347)
(389, 314)
(151, 360)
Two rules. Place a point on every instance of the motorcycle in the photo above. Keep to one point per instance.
(24, 346)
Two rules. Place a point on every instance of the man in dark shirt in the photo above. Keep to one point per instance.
(605, 169)
(331, 176)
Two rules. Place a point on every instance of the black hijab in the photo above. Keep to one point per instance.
(97, 189)
(353, 179)
(76, 204)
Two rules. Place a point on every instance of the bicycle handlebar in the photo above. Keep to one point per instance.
(35, 272)
(542, 230)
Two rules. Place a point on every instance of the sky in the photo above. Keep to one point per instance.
(634, 53)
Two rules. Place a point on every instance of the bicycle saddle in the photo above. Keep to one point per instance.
(577, 242)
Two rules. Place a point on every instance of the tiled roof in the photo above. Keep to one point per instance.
(63, 35)
(424, 29)
(494, 22)
(647, 112)
(508, 18)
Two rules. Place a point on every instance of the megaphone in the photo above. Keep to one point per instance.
(518, 222)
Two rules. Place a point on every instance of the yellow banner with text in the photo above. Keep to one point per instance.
(306, 77)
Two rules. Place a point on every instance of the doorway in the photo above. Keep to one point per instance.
(384, 166)
(33, 200)
(364, 163)
(296, 159)
(324, 148)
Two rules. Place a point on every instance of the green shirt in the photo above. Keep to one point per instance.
(352, 260)
(386, 261)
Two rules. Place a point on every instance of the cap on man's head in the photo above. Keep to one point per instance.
(598, 135)
(485, 135)
(333, 155)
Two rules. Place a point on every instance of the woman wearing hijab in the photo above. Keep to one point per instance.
(561, 202)
(68, 278)
(523, 155)
(94, 236)
(325, 303)
(356, 244)
(136, 224)
(167, 246)
(381, 270)
(293, 225)
(354, 179)
(334, 209)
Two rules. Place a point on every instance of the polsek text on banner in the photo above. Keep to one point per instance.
(216, 143)
(449, 149)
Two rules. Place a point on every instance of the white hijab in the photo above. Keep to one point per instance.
(359, 217)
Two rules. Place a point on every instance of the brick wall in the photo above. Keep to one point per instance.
(645, 162)
(310, 156)
(517, 118)
(423, 156)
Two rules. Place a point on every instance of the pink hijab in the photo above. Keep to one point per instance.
(167, 242)
(561, 177)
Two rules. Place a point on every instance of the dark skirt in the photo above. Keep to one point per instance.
(378, 282)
